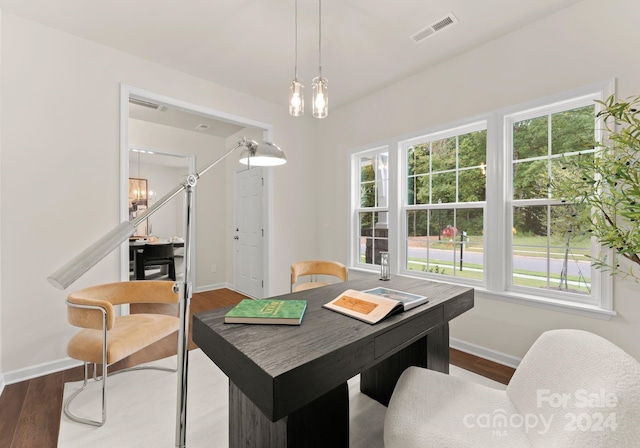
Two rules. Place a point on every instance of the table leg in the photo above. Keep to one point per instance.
(138, 265)
(431, 351)
(321, 423)
(438, 349)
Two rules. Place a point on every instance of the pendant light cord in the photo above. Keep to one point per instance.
(296, 66)
(320, 37)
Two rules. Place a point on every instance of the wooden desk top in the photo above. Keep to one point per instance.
(281, 368)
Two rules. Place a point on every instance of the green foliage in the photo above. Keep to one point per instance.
(432, 170)
(435, 177)
(434, 270)
(605, 188)
(571, 131)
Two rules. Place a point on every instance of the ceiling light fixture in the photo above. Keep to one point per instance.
(296, 93)
(320, 97)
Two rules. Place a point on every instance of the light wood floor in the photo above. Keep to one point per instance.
(30, 410)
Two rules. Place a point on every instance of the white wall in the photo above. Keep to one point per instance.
(586, 43)
(211, 235)
(60, 132)
(60, 162)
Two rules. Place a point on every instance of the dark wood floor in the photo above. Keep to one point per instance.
(30, 410)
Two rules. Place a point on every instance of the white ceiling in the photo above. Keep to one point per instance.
(248, 45)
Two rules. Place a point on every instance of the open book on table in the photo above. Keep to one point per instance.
(375, 304)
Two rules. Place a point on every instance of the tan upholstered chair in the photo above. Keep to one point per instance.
(313, 268)
(106, 338)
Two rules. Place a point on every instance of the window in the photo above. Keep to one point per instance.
(372, 210)
(471, 203)
(545, 252)
(445, 200)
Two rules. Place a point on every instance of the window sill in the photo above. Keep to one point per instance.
(580, 309)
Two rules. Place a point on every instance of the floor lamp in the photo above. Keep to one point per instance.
(263, 154)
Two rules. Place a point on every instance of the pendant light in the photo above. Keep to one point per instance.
(296, 93)
(320, 98)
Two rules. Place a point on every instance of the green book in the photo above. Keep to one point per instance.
(267, 311)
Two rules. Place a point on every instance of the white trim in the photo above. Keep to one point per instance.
(191, 107)
(39, 370)
(59, 365)
(215, 286)
(485, 353)
(599, 302)
(355, 208)
(28, 373)
(563, 306)
(479, 123)
(124, 178)
(267, 221)
(127, 91)
(608, 87)
(440, 129)
(580, 309)
(495, 284)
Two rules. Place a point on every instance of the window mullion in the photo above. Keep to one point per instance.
(497, 204)
(515, 198)
(397, 255)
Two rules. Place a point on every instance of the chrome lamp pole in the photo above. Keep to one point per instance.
(263, 154)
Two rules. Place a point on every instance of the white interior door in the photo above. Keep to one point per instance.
(249, 232)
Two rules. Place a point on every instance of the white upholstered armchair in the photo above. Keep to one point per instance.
(572, 389)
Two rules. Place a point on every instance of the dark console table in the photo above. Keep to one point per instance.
(288, 384)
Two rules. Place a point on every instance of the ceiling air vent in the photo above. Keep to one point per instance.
(147, 104)
(202, 127)
(435, 27)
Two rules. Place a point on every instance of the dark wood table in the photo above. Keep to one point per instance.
(288, 384)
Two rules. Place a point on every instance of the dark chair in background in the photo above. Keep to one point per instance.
(152, 255)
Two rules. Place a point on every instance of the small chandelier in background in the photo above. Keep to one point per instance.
(296, 91)
(320, 97)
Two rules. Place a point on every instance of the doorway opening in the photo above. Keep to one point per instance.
(146, 113)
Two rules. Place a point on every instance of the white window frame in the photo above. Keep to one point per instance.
(404, 145)
(498, 206)
(356, 208)
(600, 302)
(509, 120)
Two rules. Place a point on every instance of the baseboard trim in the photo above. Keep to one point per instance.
(47, 368)
(215, 286)
(59, 365)
(486, 353)
(28, 373)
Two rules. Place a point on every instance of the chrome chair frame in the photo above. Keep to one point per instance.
(105, 374)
